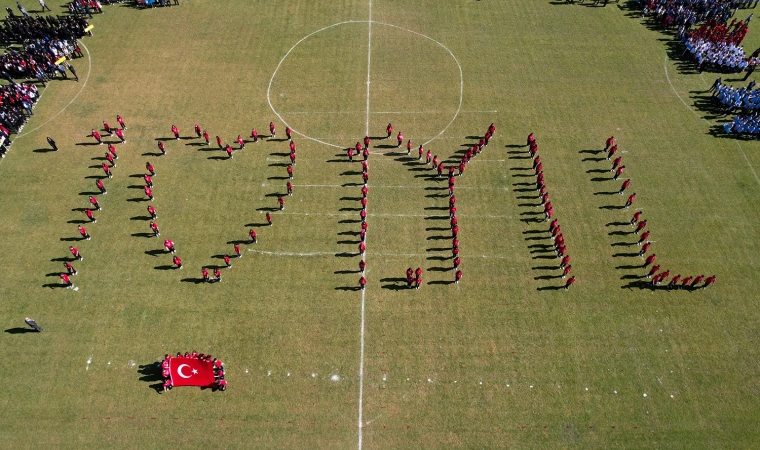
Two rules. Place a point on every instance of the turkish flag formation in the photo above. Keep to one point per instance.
(191, 372)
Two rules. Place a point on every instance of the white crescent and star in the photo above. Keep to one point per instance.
(179, 371)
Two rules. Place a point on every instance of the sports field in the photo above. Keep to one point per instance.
(504, 359)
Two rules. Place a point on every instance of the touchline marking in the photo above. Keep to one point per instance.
(321, 141)
(476, 188)
(385, 255)
(741, 150)
(384, 112)
(89, 70)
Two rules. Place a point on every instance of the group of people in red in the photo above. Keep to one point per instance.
(364, 151)
(111, 157)
(554, 227)
(218, 367)
(641, 226)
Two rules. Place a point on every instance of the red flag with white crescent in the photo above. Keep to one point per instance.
(191, 372)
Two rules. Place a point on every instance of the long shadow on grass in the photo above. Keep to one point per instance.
(152, 373)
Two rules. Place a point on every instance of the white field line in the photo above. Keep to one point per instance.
(320, 113)
(741, 150)
(385, 255)
(364, 256)
(356, 214)
(317, 186)
(89, 70)
(286, 160)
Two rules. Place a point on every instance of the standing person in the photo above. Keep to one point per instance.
(289, 187)
(175, 131)
(290, 172)
(389, 130)
(457, 276)
(255, 135)
(43, 6)
(400, 139)
(645, 248)
(636, 217)
(289, 133)
(610, 142)
(269, 219)
(618, 172)
(350, 152)
(204, 273)
(709, 281)
(640, 226)
(120, 135)
(272, 130)
(644, 237)
(566, 270)
(88, 213)
(83, 232)
(252, 234)
(655, 268)
(409, 147)
(96, 135)
(177, 262)
(149, 168)
(428, 157)
(362, 266)
(94, 203)
(148, 192)
(236, 248)
(362, 282)
(152, 212)
(570, 281)
(292, 158)
(241, 142)
(674, 282)
(281, 202)
(110, 159)
(650, 259)
(162, 147)
(101, 186)
(154, 227)
(75, 252)
(107, 128)
(630, 200)
(565, 262)
(696, 281)
(363, 215)
(365, 190)
(292, 146)
(616, 163)
(418, 282)
(366, 142)
(365, 153)
(121, 122)
(51, 142)
(625, 185)
(362, 248)
(217, 275)
(227, 261)
(219, 142)
(198, 130)
(69, 268)
(169, 246)
(612, 151)
(112, 150)
(228, 149)
(206, 137)
(66, 280)
(148, 180)
(421, 151)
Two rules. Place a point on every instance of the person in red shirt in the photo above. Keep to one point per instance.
(150, 169)
(650, 259)
(570, 281)
(252, 234)
(674, 282)
(610, 142)
(154, 227)
(152, 212)
(120, 135)
(630, 200)
(241, 142)
(204, 273)
(90, 216)
(400, 139)
(236, 248)
(363, 235)
(269, 219)
(612, 152)
(417, 282)
(366, 142)
(94, 203)
(69, 268)
(292, 147)
(362, 248)
(121, 122)
(101, 186)
(685, 283)
(169, 245)
(290, 172)
(66, 280)
(696, 281)
(96, 135)
(219, 142)
(616, 163)
(640, 226)
(362, 283)
(389, 130)
(177, 262)
(618, 172)
(109, 157)
(222, 385)
(653, 270)
(112, 150)
(645, 248)
(292, 158)
(255, 135)
(75, 253)
(455, 231)
(365, 177)
(175, 131)
(362, 266)
(625, 185)
(644, 237)
(365, 190)
(228, 149)
(288, 133)
(148, 192)
(198, 130)
(206, 137)
(350, 152)
(420, 152)
(364, 202)
(272, 130)
(281, 201)
(107, 128)
(227, 261)
(457, 276)
(289, 187)
(709, 281)
(365, 166)
(162, 147)
(457, 262)
(83, 232)
(363, 215)
(486, 139)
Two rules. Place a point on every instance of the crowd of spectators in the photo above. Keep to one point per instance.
(676, 13)
(744, 124)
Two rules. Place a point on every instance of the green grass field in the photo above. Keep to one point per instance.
(501, 360)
